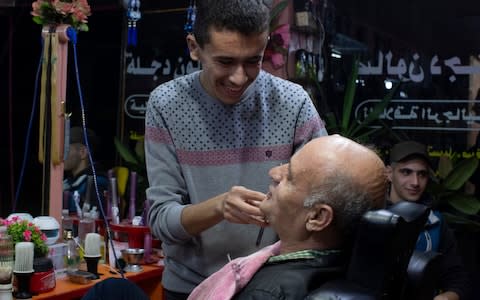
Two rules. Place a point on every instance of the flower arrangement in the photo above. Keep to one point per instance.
(25, 231)
(71, 12)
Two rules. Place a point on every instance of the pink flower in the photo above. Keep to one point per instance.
(72, 12)
(27, 235)
(43, 237)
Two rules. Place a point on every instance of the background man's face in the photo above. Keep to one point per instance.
(74, 157)
(409, 180)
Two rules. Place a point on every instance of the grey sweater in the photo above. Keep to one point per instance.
(197, 147)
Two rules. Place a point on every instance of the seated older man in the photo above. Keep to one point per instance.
(314, 203)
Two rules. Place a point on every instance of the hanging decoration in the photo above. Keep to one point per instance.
(133, 15)
(190, 17)
(61, 20)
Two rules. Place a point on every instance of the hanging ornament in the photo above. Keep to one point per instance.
(133, 15)
(190, 17)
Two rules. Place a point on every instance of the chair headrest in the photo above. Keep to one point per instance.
(384, 243)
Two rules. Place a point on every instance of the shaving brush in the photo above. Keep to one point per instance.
(23, 269)
(92, 252)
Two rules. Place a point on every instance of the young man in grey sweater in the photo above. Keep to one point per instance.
(210, 139)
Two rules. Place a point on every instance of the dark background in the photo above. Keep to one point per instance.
(429, 27)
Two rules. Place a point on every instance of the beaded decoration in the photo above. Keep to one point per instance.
(190, 17)
(133, 15)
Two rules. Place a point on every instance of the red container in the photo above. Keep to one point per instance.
(43, 278)
(135, 234)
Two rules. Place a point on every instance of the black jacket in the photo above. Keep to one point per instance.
(292, 279)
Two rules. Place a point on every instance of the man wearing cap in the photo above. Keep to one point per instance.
(408, 174)
(78, 170)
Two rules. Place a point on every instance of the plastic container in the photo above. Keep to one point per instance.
(57, 254)
(43, 277)
(85, 225)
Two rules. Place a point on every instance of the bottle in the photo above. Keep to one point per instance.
(67, 222)
(85, 225)
(72, 258)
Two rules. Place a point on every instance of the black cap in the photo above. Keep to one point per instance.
(76, 137)
(404, 150)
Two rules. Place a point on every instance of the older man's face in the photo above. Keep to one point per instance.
(293, 183)
(290, 186)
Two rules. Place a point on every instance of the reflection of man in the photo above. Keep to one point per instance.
(210, 138)
(78, 171)
(314, 203)
(408, 174)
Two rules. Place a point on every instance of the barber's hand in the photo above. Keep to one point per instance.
(240, 205)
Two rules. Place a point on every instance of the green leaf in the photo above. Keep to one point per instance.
(377, 110)
(461, 173)
(466, 204)
(349, 95)
(331, 122)
(445, 166)
(364, 136)
(459, 220)
(125, 152)
(38, 20)
(275, 12)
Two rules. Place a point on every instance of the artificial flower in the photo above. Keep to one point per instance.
(277, 47)
(25, 231)
(71, 12)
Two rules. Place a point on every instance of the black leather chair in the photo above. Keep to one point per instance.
(422, 275)
(383, 247)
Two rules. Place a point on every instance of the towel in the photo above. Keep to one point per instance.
(235, 275)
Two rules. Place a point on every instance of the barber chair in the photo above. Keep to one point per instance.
(422, 275)
(383, 247)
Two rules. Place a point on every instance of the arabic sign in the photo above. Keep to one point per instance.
(452, 154)
(136, 105)
(447, 115)
(166, 67)
(414, 70)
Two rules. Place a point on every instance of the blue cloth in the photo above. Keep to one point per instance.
(79, 183)
(429, 238)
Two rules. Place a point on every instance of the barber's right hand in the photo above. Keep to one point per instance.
(240, 205)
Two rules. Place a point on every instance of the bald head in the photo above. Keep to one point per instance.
(347, 177)
(336, 158)
(316, 200)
